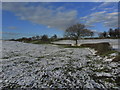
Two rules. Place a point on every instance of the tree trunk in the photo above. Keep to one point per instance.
(76, 42)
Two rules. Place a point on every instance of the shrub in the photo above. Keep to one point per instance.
(117, 58)
(101, 48)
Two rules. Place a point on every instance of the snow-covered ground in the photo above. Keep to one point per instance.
(115, 43)
(51, 66)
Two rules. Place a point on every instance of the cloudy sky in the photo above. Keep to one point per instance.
(30, 19)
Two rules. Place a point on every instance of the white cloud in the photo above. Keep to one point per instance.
(57, 18)
(94, 8)
(107, 6)
(10, 33)
(108, 19)
(102, 5)
(12, 28)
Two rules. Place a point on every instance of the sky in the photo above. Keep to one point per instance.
(23, 19)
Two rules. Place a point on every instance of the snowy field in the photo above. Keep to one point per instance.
(51, 66)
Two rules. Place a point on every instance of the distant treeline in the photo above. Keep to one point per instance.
(40, 39)
(112, 33)
(43, 38)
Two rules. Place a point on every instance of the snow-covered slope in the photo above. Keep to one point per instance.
(44, 66)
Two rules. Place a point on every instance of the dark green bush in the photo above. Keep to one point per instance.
(117, 58)
(101, 48)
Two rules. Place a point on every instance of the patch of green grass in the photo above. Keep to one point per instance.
(79, 68)
(41, 57)
(103, 79)
(89, 57)
(31, 63)
(65, 46)
(25, 62)
(62, 60)
(103, 49)
(29, 70)
(62, 51)
(38, 58)
(38, 42)
(71, 52)
(69, 56)
(109, 80)
(117, 80)
(12, 86)
(5, 58)
(102, 70)
(57, 68)
(69, 67)
(109, 52)
(41, 42)
(117, 58)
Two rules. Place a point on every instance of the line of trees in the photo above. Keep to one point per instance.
(75, 32)
(112, 33)
(43, 38)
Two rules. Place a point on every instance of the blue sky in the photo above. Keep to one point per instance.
(30, 19)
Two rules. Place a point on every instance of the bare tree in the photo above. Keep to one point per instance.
(54, 37)
(103, 34)
(77, 31)
(44, 38)
(91, 34)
